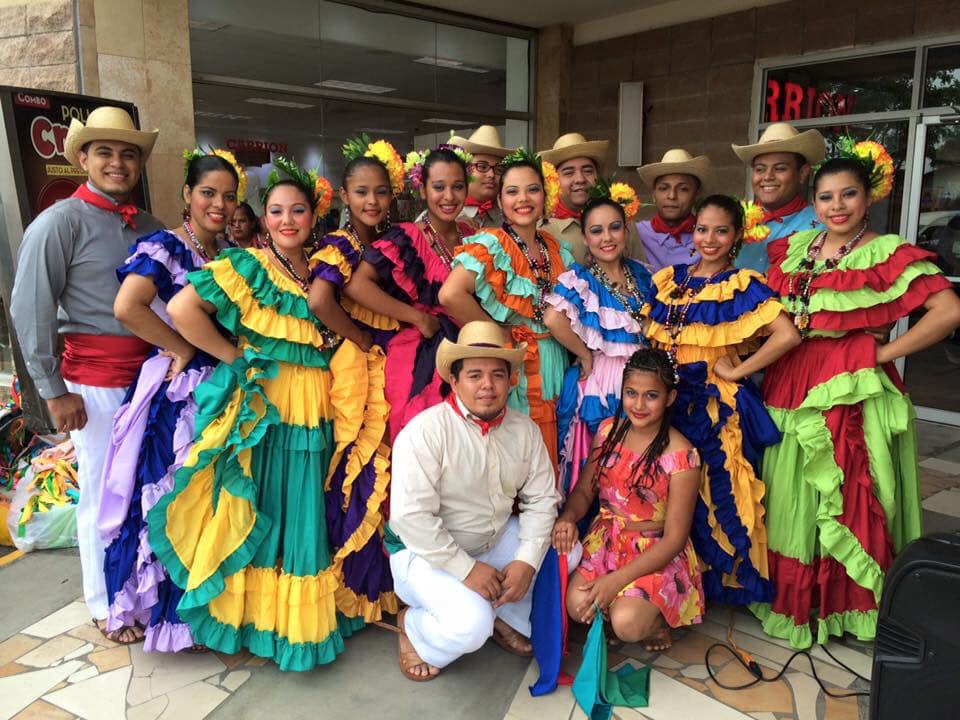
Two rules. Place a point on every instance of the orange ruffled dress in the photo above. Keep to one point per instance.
(676, 588)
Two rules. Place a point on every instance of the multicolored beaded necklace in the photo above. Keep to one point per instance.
(438, 244)
(800, 283)
(677, 311)
(541, 270)
(632, 289)
(197, 245)
(288, 266)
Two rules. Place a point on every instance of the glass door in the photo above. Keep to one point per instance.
(933, 376)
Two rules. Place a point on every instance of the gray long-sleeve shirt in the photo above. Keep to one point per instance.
(66, 281)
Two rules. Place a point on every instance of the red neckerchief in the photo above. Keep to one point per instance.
(483, 208)
(685, 227)
(126, 211)
(794, 206)
(484, 425)
(562, 212)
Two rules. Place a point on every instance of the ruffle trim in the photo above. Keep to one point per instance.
(335, 259)
(595, 315)
(916, 294)
(787, 253)
(162, 257)
(751, 325)
(408, 271)
(860, 623)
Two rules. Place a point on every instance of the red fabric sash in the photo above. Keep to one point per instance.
(684, 227)
(102, 360)
(485, 425)
(562, 212)
(126, 211)
(794, 206)
(483, 208)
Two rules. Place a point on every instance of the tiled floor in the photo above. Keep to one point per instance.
(60, 667)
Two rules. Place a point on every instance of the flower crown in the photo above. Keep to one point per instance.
(413, 165)
(620, 192)
(190, 155)
(754, 230)
(311, 179)
(875, 160)
(381, 150)
(551, 179)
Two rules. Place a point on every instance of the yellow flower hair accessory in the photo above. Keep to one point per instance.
(380, 150)
(753, 230)
(620, 192)
(413, 165)
(551, 187)
(190, 155)
(875, 160)
(324, 192)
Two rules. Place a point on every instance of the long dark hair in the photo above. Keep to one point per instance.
(644, 360)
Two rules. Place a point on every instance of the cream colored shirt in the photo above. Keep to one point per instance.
(453, 488)
(568, 230)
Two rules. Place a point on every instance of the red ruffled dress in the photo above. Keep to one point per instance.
(842, 489)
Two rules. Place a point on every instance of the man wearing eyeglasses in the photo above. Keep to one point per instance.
(481, 209)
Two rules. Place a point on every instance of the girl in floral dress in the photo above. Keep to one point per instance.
(639, 567)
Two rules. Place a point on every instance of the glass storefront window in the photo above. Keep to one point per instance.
(878, 83)
(941, 80)
(339, 47)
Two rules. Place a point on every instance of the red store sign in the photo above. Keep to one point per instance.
(791, 101)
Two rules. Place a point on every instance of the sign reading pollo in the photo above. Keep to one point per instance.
(41, 120)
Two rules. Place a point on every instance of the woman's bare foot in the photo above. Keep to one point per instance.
(659, 640)
(411, 664)
(124, 636)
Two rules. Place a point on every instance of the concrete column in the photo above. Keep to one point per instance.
(37, 48)
(554, 69)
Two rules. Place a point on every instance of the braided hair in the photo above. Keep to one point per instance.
(649, 360)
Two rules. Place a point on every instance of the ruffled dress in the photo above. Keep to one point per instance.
(842, 487)
(359, 478)
(608, 545)
(506, 289)
(612, 334)
(725, 421)
(411, 271)
(244, 530)
(151, 435)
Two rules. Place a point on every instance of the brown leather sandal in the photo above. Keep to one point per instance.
(510, 640)
(408, 656)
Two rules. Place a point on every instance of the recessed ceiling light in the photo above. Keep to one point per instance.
(201, 24)
(450, 64)
(355, 87)
(278, 103)
(449, 121)
(221, 116)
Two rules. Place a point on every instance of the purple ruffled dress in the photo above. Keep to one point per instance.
(151, 437)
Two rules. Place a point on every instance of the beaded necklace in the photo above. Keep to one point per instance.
(677, 311)
(800, 284)
(438, 245)
(288, 266)
(632, 288)
(197, 245)
(541, 270)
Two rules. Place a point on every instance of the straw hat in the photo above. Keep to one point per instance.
(478, 339)
(783, 137)
(485, 140)
(106, 123)
(574, 145)
(677, 161)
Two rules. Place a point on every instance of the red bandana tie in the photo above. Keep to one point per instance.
(685, 227)
(484, 425)
(483, 208)
(126, 211)
(562, 212)
(794, 206)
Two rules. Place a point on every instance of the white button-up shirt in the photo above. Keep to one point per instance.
(454, 486)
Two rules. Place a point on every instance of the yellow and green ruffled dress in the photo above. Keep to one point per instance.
(244, 530)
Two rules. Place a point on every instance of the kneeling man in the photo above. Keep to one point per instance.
(460, 560)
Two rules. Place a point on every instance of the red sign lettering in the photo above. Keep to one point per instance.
(262, 146)
(791, 101)
(47, 137)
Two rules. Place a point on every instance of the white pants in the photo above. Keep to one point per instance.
(447, 619)
(92, 443)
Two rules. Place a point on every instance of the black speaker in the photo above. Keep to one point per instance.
(916, 659)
